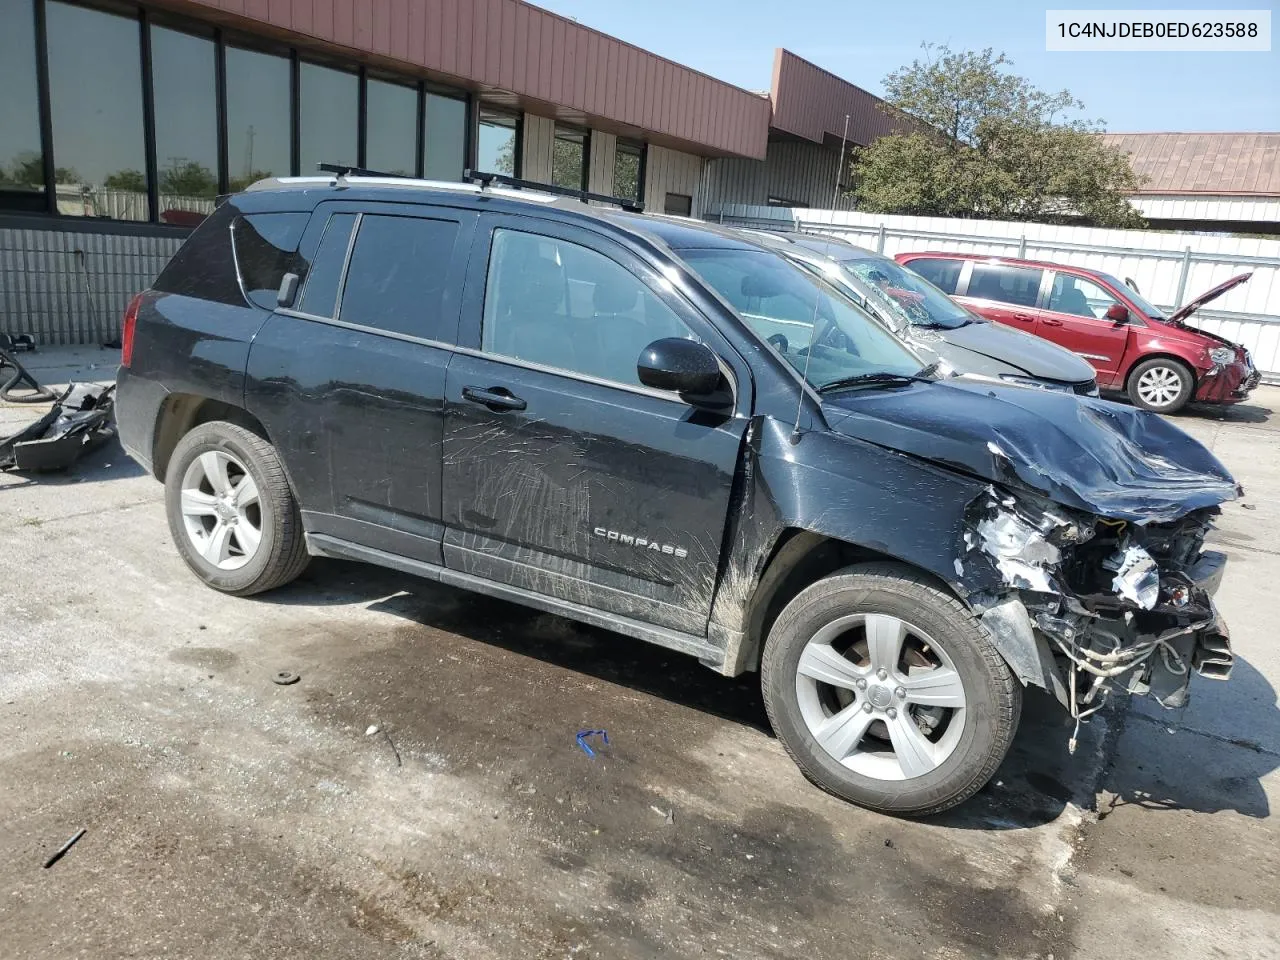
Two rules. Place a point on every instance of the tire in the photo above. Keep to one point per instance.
(850, 608)
(239, 531)
(1161, 385)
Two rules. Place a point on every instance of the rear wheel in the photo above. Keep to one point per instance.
(887, 692)
(1161, 385)
(231, 511)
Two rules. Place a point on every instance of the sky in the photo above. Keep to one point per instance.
(862, 42)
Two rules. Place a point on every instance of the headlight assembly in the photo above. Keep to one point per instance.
(1222, 355)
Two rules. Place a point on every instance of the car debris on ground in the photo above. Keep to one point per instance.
(79, 421)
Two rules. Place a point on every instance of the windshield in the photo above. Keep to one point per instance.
(1139, 301)
(909, 295)
(780, 302)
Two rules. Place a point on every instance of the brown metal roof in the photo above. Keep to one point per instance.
(1233, 164)
(810, 102)
(511, 47)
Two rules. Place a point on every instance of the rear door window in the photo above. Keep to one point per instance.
(943, 274)
(398, 275)
(1005, 284)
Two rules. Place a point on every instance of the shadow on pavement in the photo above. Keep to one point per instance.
(1230, 413)
(1162, 765)
(1032, 787)
(108, 462)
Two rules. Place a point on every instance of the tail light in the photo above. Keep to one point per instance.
(126, 333)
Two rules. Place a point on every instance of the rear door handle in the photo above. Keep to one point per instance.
(495, 398)
(1024, 317)
(1050, 322)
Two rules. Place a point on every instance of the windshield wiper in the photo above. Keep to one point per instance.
(862, 379)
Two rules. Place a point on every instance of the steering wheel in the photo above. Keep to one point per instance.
(779, 341)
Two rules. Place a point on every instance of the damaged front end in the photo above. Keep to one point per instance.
(1094, 602)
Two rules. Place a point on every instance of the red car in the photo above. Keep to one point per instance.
(1159, 361)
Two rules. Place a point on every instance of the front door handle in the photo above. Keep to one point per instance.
(1050, 322)
(1024, 317)
(495, 398)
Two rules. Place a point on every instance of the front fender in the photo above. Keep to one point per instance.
(848, 490)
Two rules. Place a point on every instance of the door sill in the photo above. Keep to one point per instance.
(323, 545)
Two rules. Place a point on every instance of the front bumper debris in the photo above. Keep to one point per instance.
(1227, 383)
(1094, 604)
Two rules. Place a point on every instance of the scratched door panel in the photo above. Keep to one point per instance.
(590, 493)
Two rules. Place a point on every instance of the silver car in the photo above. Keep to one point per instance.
(931, 323)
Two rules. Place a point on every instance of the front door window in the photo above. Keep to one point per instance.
(1079, 297)
(556, 303)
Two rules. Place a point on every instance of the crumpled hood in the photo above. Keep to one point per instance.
(1032, 355)
(1094, 455)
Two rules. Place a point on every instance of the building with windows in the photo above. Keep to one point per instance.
(122, 122)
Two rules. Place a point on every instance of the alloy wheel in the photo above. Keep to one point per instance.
(880, 696)
(1159, 386)
(221, 510)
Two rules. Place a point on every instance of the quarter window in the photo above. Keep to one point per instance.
(559, 304)
(397, 274)
(1005, 284)
(943, 274)
(1079, 297)
(266, 249)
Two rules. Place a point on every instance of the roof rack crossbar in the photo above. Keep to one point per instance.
(342, 170)
(485, 179)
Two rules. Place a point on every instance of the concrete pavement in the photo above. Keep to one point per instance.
(231, 817)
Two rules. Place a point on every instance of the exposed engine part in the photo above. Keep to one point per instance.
(1096, 602)
(1137, 576)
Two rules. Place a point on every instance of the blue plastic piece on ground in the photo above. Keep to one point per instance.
(582, 740)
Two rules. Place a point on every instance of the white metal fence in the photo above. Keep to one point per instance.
(1168, 268)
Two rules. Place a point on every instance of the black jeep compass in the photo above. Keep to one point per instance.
(668, 430)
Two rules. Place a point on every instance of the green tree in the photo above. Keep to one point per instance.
(28, 171)
(991, 146)
(187, 178)
(134, 181)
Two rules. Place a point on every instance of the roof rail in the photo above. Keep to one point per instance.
(485, 179)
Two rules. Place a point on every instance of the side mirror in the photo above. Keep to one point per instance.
(685, 366)
(1117, 313)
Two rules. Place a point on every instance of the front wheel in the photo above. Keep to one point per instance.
(886, 691)
(1160, 385)
(231, 511)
